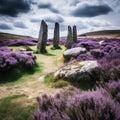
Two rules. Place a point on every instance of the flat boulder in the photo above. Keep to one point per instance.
(79, 71)
(73, 52)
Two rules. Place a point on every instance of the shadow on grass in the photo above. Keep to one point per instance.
(49, 54)
(16, 73)
(83, 85)
(15, 111)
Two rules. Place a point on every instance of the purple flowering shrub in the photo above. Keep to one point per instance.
(73, 105)
(12, 60)
(99, 48)
(86, 43)
(97, 53)
(110, 70)
(82, 57)
(105, 51)
(18, 42)
(62, 41)
(114, 89)
(28, 41)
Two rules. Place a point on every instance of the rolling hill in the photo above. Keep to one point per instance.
(108, 33)
(4, 36)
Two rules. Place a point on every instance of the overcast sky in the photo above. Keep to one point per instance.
(24, 16)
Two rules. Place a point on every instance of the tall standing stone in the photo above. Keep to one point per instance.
(69, 41)
(42, 40)
(74, 33)
(56, 36)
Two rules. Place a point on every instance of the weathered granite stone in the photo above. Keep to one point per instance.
(56, 36)
(73, 52)
(74, 33)
(80, 71)
(69, 41)
(42, 40)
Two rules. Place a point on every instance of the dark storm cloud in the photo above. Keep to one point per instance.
(14, 7)
(86, 10)
(48, 6)
(4, 26)
(19, 25)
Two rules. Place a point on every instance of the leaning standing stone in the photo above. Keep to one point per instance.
(56, 36)
(42, 40)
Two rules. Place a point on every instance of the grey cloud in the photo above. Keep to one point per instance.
(34, 20)
(44, 6)
(48, 6)
(53, 20)
(19, 25)
(75, 2)
(54, 10)
(14, 7)
(99, 23)
(4, 26)
(87, 10)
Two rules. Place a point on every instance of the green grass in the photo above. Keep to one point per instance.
(20, 75)
(10, 109)
(60, 84)
(48, 78)
(15, 111)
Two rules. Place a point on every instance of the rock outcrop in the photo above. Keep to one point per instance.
(73, 52)
(80, 71)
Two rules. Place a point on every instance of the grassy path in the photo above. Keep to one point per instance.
(18, 98)
(33, 85)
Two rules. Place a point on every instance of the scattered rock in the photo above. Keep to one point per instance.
(22, 49)
(73, 52)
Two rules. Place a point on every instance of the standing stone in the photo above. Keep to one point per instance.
(56, 36)
(74, 33)
(42, 40)
(69, 41)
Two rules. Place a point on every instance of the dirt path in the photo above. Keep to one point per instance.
(37, 86)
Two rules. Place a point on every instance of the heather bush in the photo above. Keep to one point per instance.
(110, 70)
(97, 53)
(86, 43)
(18, 42)
(82, 57)
(93, 106)
(114, 89)
(71, 105)
(62, 41)
(11, 60)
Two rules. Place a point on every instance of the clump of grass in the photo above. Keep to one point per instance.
(60, 84)
(35, 52)
(49, 78)
(28, 48)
